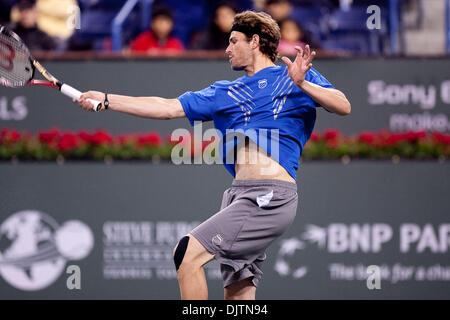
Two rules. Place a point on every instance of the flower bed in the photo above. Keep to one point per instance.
(378, 145)
(100, 145)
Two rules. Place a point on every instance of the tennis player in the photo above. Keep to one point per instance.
(262, 201)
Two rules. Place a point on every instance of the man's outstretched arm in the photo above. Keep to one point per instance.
(146, 107)
(329, 98)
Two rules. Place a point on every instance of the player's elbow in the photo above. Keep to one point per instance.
(342, 109)
(346, 108)
(344, 105)
(174, 110)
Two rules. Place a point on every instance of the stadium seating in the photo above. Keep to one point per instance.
(96, 20)
(311, 19)
(331, 27)
(347, 30)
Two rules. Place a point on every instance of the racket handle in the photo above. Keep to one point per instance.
(76, 94)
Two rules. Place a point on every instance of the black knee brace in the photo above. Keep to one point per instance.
(180, 251)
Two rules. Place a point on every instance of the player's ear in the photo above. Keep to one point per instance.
(255, 41)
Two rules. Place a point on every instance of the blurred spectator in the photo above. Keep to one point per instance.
(191, 16)
(5, 10)
(27, 28)
(258, 5)
(291, 36)
(278, 9)
(217, 35)
(159, 37)
(57, 18)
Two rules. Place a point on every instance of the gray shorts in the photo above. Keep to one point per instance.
(253, 214)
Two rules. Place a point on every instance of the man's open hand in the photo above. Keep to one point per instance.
(301, 65)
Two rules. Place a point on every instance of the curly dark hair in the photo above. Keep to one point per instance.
(266, 27)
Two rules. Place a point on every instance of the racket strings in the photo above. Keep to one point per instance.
(15, 65)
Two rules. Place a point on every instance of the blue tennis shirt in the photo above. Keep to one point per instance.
(267, 105)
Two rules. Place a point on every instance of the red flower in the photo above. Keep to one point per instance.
(332, 143)
(332, 138)
(124, 138)
(314, 137)
(84, 136)
(412, 136)
(421, 134)
(169, 139)
(49, 137)
(441, 138)
(183, 139)
(395, 138)
(207, 143)
(101, 137)
(331, 134)
(3, 133)
(9, 135)
(14, 136)
(366, 137)
(68, 141)
(150, 139)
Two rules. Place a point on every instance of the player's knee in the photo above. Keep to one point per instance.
(180, 251)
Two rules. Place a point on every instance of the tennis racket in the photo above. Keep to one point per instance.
(18, 68)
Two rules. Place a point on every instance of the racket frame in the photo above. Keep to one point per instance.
(52, 81)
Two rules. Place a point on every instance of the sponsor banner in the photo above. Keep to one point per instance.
(363, 230)
(35, 249)
(366, 239)
(144, 249)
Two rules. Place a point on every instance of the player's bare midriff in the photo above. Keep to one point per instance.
(253, 163)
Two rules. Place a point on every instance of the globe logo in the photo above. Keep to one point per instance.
(282, 265)
(285, 264)
(34, 249)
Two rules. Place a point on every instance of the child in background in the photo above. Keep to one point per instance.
(292, 35)
(158, 38)
(278, 9)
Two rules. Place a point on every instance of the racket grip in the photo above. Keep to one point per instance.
(76, 94)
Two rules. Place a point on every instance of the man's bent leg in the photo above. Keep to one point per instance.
(189, 261)
(241, 290)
